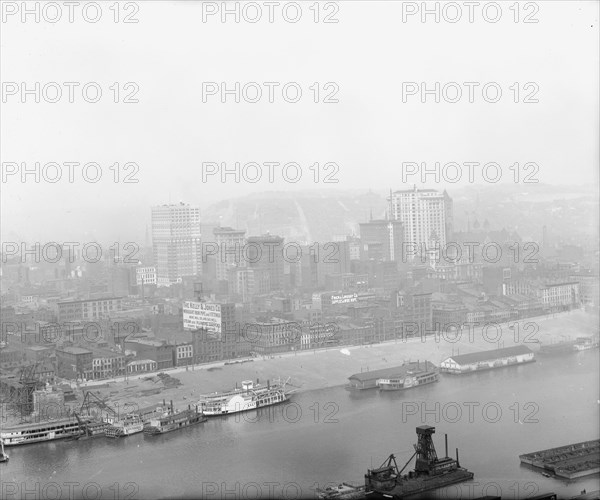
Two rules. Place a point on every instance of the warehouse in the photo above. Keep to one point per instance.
(486, 360)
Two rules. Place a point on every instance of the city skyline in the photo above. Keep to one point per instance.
(263, 249)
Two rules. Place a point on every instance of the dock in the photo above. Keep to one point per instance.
(570, 462)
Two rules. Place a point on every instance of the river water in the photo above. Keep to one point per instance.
(333, 435)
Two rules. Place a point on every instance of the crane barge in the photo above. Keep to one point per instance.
(387, 481)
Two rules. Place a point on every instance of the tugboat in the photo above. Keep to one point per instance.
(3, 456)
(172, 420)
(387, 481)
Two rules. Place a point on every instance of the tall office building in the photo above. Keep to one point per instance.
(426, 215)
(176, 242)
(230, 243)
(266, 252)
(382, 239)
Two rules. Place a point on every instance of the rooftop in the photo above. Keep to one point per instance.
(475, 357)
(74, 350)
(395, 371)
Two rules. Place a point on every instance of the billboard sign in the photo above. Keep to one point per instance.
(202, 315)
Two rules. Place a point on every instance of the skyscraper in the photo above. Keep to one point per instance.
(230, 243)
(176, 242)
(426, 215)
(266, 252)
(382, 239)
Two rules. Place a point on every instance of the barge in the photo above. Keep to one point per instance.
(487, 360)
(562, 347)
(569, 462)
(388, 482)
(412, 375)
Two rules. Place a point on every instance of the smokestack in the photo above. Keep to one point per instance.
(446, 438)
(164, 403)
(457, 462)
(171, 406)
(268, 384)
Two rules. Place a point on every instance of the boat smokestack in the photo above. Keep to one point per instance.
(446, 439)
(268, 384)
(171, 406)
(457, 462)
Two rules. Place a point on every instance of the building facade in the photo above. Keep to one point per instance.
(89, 309)
(427, 218)
(382, 240)
(266, 253)
(176, 242)
(230, 247)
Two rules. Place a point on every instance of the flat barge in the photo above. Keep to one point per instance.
(562, 347)
(487, 360)
(388, 482)
(569, 462)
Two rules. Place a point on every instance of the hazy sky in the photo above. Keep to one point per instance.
(368, 54)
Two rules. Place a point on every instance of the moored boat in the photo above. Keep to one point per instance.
(249, 397)
(131, 424)
(412, 375)
(3, 455)
(585, 343)
(173, 419)
(48, 430)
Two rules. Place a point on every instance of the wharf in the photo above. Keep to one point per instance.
(570, 462)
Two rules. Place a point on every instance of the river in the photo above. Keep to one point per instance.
(332, 435)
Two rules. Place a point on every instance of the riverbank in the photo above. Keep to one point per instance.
(318, 369)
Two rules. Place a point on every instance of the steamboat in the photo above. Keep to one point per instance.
(172, 420)
(131, 424)
(585, 343)
(248, 397)
(43, 431)
(412, 375)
